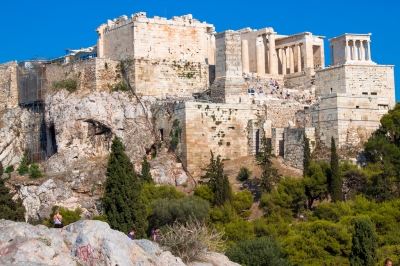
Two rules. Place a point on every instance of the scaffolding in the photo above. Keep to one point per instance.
(31, 76)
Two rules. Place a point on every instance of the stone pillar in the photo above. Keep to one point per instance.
(291, 60)
(362, 50)
(369, 50)
(211, 57)
(355, 53)
(260, 58)
(273, 61)
(284, 68)
(245, 56)
(347, 50)
(298, 57)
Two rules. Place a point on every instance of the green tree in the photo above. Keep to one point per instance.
(363, 251)
(167, 211)
(244, 174)
(315, 183)
(146, 175)
(242, 202)
(217, 180)
(23, 167)
(270, 175)
(34, 171)
(306, 154)
(354, 180)
(10, 209)
(335, 184)
(122, 201)
(260, 251)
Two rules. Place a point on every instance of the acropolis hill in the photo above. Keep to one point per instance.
(219, 91)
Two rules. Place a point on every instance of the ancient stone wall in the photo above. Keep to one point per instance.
(181, 38)
(8, 85)
(93, 74)
(294, 145)
(222, 128)
(282, 113)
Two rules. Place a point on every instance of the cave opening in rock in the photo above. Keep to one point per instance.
(162, 134)
(52, 140)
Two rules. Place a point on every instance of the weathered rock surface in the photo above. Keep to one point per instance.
(83, 243)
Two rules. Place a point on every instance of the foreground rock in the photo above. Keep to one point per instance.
(83, 243)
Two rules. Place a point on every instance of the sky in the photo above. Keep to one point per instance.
(45, 28)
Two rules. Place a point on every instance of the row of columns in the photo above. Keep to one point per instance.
(354, 50)
(260, 56)
(286, 55)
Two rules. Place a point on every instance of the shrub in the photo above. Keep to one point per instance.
(168, 211)
(244, 174)
(242, 202)
(100, 218)
(9, 169)
(261, 251)
(239, 230)
(23, 167)
(35, 171)
(120, 86)
(206, 193)
(68, 216)
(70, 85)
(10, 209)
(191, 240)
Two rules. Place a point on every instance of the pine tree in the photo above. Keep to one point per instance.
(146, 175)
(218, 181)
(23, 167)
(10, 209)
(363, 250)
(335, 180)
(270, 175)
(306, 154)
(122, 203)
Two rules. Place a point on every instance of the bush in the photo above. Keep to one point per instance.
(190, 241)
(168, 211)
(260, 251)
(70, 85)
(10, 209)
(100, 218)
(205, 192)
(23, 167)
(35, 171)
(244, 174)
(68, 216)
(9, 169)
(239, 230)
(120, 86)
(242, 202)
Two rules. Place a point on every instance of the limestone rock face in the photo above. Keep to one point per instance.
(83, 243)
(13, 122)
(85, 125)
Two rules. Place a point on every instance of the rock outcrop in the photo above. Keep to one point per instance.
(84, 243)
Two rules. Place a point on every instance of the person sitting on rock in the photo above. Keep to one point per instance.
(154, 234)
(57, 218)
(131, 234)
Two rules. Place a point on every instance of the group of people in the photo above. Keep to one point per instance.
(154, 233)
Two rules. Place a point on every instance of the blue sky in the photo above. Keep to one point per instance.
(44, 28)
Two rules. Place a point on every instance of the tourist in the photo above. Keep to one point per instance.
(131, 234)
(154, 234)
(57, 218)
(271, 82)
(388, 262)
(252, 76)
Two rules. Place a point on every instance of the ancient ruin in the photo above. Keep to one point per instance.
(222, 90)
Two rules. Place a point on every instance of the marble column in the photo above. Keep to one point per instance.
(369, 50)
(347, 50)
(211, 59)
(260, 58)
(245, 56)
(273, 60)
(291, 60)
(284, 68)
(355, 52)
(298, 57)
(362, 50)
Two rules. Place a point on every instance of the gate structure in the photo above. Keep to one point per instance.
(31, 76)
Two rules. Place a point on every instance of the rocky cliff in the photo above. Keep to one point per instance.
(84, 243)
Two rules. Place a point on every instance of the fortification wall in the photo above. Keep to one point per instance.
(93, 74)
(294, 145)
(282, 113)
(181, 38)
(161, 77)
(222, 128)
(8, 85)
